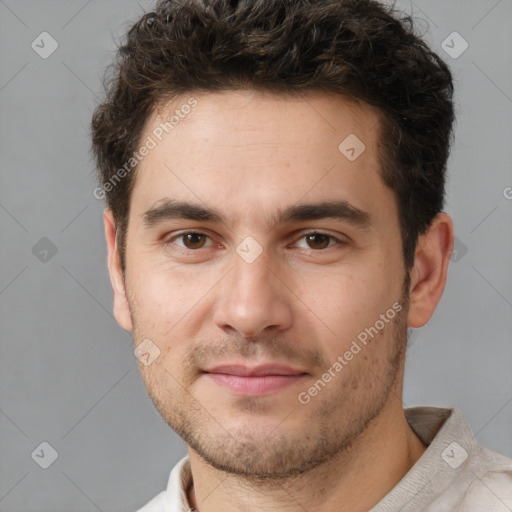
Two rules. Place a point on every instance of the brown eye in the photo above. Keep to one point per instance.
(318, 240)
(187, 242)
(193, 240)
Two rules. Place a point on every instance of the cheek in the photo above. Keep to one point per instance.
(168, 299)
(156, 301)
(343, 304)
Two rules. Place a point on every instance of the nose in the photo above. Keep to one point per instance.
(253, 298)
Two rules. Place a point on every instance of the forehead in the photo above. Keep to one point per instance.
(265, 117)
(249, 153)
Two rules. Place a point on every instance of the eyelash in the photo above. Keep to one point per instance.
(170, 241)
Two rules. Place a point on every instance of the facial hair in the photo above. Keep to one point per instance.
(330, 424)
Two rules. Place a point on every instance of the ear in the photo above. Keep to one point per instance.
(428, 275)
(121, 308)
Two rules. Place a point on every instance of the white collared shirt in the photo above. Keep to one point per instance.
(454, 474)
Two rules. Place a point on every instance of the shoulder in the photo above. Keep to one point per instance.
(490, 485)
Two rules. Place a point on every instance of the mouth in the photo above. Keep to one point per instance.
(254, 381)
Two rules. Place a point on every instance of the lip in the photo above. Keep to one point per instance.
(252, 371)
(259, 380)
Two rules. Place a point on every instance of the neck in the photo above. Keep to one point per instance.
(355, 480)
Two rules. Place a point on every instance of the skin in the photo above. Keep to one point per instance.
(301, 302)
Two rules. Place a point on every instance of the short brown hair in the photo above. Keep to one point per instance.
(359, 48)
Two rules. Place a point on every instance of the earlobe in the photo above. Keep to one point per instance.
(428, 276)
(121, 307)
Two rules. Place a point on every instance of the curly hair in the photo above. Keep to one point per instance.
(362, 49)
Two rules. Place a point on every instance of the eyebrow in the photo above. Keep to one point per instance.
(168, 209)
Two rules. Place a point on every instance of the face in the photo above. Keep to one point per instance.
(264, 264)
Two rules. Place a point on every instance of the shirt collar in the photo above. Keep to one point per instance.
(180, 480)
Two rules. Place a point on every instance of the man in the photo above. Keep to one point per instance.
(274, 174)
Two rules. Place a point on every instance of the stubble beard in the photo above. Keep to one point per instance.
(327, 431)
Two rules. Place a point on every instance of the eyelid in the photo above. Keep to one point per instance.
(297, 236)
(168, 241)
(339, 239)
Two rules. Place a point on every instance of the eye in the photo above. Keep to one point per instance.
(320, 241)
(192, 240)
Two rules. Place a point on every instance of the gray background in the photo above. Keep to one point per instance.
(68, 373)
